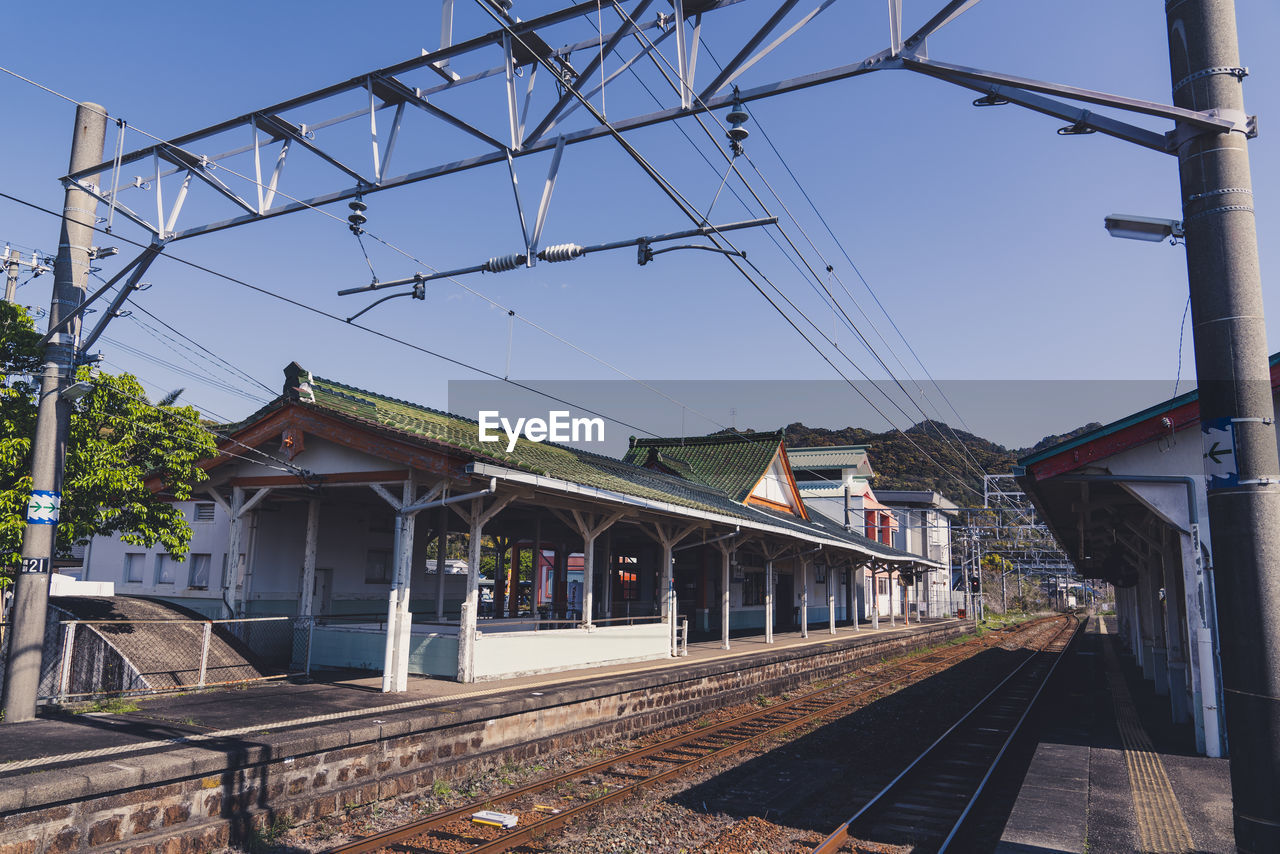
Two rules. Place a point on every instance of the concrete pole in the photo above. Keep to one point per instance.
(53, 424)
(1234, 390)
(11, 266)
(768, 601)
(305, 601)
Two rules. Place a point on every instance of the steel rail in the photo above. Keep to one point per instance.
(843, 834)
(921, 665)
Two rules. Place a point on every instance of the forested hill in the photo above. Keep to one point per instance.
(925, 457)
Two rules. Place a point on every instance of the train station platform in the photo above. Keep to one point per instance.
(1109, 772)
(207, 765)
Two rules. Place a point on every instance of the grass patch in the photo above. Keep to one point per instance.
(109, 706)
(268, 836)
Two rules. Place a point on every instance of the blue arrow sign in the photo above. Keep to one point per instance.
(1220, 453)
(43, 507)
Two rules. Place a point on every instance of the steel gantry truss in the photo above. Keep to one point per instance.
(507, 94)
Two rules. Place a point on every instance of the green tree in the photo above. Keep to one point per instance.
(127, 462)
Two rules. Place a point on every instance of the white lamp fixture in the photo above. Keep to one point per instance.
(76, 391)
(1149, 228)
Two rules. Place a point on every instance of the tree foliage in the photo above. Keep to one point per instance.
(120, 447)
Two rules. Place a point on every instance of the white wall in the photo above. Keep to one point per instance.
(512, 653)
(105, 561)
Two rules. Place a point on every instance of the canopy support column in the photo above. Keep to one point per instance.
(475, 515)
(669, 536)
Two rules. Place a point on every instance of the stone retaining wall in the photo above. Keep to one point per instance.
(201, 798)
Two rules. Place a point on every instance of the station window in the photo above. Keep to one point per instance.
(164, 569)
(199, 573)
(133, 567)
(753, 589)
(377, 568)
(204, 512)
(883, 586)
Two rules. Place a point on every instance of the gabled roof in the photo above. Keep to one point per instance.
(1154, 422)
(545, 464)
(832, 457)
(732, 463)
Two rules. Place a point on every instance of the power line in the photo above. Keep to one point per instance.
(228, 366)
(669, 189)
(328, 315)
(511, 312)
(834, 303)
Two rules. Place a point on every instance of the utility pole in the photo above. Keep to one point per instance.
(53, 422)
(1235, 394)
(12, 264)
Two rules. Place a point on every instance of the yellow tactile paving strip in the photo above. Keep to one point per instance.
(1162, 828)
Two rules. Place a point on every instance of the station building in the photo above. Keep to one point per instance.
(1127, 503)
(370, 519)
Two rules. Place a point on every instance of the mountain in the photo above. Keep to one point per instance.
(1049, 441)
(929, 455)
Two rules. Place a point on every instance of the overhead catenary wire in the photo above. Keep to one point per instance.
(840, 245)
(346, 224)
(833, 302)
(971, 462)
(668, 188)
(367, 329)
(653, 50)
(182, 345)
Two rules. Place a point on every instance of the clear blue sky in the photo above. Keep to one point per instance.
(979, 229)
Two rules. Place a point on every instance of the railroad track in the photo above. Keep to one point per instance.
(550, 803)
(926, 805)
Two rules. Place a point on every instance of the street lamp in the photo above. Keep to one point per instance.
(1149, 228)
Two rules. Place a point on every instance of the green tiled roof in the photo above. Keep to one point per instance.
(543, 458)
(732, 463)
(420, 424)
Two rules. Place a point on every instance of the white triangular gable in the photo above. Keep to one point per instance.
(775, 487)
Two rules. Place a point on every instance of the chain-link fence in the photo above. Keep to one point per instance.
(90, 659)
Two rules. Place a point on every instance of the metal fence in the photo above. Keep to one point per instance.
(93, 659)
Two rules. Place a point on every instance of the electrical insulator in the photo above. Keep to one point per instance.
(357, 218)
(561, 252)
(737, 133)
(503, 263)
